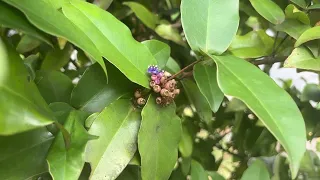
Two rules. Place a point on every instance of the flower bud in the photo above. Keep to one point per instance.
(137, 94)
(163, 79)
(141, 101)
(152, 83)
(159, 100)
(154, 77)
(172, 95)
(157, 81)
(156, 88)
(169, 85)
(164, 92)
(176, 91)
(166, 74)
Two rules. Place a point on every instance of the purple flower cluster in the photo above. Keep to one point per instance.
(156, 73)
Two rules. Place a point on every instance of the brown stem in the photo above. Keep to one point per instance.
(184, 69)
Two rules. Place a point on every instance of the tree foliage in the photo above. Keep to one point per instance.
(158, 90)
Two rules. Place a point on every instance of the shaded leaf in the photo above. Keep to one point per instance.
(159, 50)
(308, 35)
(130, 173)
(158, 139)
(121, 49)
(314, 6)
(273, 106)
(252, 45)
(104, 4)
(168, 32)
(210, 25)
(147, 17)
(269, 10)
(12, 18)
(67, 162)
(300, 3)
(294, 13)
(27, 43)
(93, 92)
(196, 98)
(186, 142)
(21, 106)
(117, 127)
(215, 175)
(311, 92)
(172, 66)
(54, 86)
(55, 23)
(257, 170)
(56, 58)
(197, 171)
(24, 155)
(292, 27)
(206, 78)
(302, 58)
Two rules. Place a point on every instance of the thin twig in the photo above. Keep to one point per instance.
(184, 69)
(269, 60)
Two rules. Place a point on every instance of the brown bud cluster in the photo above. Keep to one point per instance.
(167, 89)
(139, 99)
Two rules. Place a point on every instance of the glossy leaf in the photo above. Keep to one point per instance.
(206, 78)
(172, 66)
(271, 104)
(159, 50)
(269, 10)
(21, 106)
(294, 13)
(67, 163)
(103, 4)
(117, 127)
(56, 24)
(210, 25)
(215, 176)
(93, 92)
(121, 49)
(308, 35)
(302, 58)
(287, 27)
(252, 45)
(12, 18)
(196, 98)
(158, 140)
(54, 86)
(56, 58)
(147, 17)
(197, 171)
(24, 155)
(257, 170)
(314, 6)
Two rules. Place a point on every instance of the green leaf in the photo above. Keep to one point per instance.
(294, 13)
(54, 86)
(272, 105)
(252, 45)
(206, 79)
(24, 155)
(147, 17)
(12, 18)
(166, 31)
(196, 98)
(93, 92)
(172, 66)
(197, 171)
(21, 106)
(113, 39)
(158, 140)
(300, 3)
(311, 92)
(314, 6)
(210, 25)
(61, 111)
(292, 27)
(103, 4)
(67, 163)
(27, 43)
(159, 50)
(130, 173)
(186, 142)
(117, 127)
(48, 19)
(269, 10)
(302, 58)
(56, 58)
(215, 175)
(308, 35)
(257, 170)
